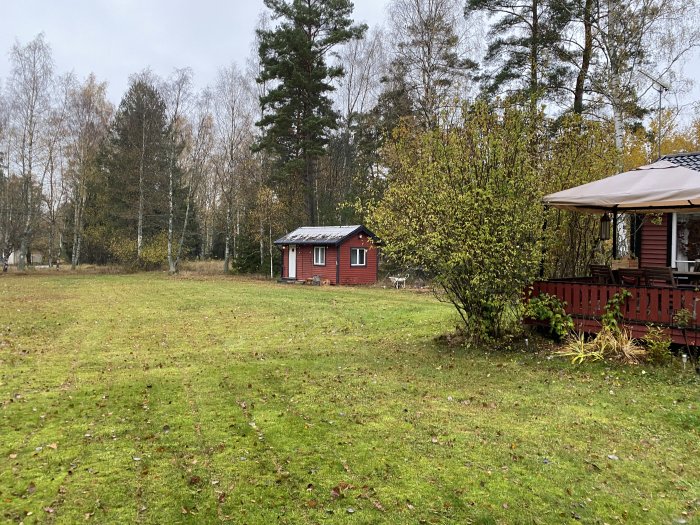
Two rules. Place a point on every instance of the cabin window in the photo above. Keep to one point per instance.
(358, 257)
(319, 255)
(685, 240)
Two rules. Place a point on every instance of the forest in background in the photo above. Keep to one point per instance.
(306, 132)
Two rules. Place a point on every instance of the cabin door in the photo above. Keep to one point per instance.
(292, 261)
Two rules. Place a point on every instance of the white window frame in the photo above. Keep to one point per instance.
(319, 255)
(364, 256)
(688, 265)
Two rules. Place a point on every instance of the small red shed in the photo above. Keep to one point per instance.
(338, 254)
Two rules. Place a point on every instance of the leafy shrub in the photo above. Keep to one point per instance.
(463, 203)
(154, 252)
(122, 249)
(613, 310)
(658, 345)
(550, 308)
(683, 318)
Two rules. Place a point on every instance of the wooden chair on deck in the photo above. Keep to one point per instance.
(661, 277)
(631, 277)
(602, 274)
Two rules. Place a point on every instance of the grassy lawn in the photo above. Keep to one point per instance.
(148, 399)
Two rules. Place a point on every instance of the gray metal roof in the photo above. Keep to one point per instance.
(322, 234)
(687, 160)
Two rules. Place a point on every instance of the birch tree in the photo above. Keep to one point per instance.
(29, 89)
(633, 36)
(88, 121)
(432, 45)
(199, 137)
(234, 119)
(178, 94)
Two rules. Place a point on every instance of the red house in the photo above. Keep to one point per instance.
(667, 247)
(338, 254)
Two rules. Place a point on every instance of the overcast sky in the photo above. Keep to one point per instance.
(116, 38)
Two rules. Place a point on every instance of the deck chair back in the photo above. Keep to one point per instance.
(602, 274)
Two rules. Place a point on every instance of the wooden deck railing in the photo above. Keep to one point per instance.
(585, 302)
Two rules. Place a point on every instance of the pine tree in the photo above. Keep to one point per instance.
(297, 112)
(526, 51)
(134, 191)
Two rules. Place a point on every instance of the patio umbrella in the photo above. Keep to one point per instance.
(661, 186)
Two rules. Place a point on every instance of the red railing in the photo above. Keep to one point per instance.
(647, 305)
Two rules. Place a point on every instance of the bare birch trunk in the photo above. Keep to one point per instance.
(139, 234)
(272, 275)
(172, 267)
(190, 192)
(227, 255)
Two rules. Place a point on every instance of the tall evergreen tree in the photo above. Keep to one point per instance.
(526, 53)
(131, 203)
(297, 111)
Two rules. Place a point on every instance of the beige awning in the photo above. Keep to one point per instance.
(661, 186)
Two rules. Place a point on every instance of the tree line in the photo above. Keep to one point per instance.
(312, 128)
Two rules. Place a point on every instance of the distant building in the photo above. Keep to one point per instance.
(32, 258)
(336, 254)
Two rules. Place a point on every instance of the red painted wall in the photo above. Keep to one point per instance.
(358, 274)
(306, 268)
(654, 249)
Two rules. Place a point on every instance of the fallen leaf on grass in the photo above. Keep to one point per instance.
(53, 446)
(312, 503)
(195, 480)
(377, 505)
(341, 489)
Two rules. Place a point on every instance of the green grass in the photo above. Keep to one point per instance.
(148, 399)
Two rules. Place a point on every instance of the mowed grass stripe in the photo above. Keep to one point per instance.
(253, 402)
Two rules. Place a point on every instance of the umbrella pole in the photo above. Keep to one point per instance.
(614, 236)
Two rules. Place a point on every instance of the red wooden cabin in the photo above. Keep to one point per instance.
(668, 250)
(337, 254)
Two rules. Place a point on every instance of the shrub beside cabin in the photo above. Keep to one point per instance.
(336, 254)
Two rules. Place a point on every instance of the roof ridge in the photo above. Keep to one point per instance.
(680, 154)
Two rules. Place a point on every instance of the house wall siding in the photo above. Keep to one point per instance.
(654, 249)
(306, 268)
(358, 274)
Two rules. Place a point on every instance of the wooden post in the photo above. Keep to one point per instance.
(614, 235)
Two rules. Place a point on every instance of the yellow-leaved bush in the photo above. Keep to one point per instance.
(464, 205)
